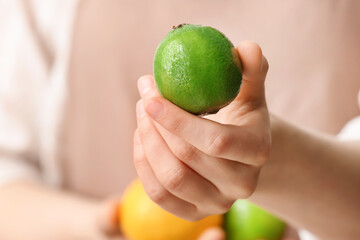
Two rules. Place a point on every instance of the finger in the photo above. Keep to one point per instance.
(154, 189)
(147, 84)
(255, 67)
(213, 234)
(212, 138)
(230, 177)
(215, 139)
(252, 93)
(108, 216)
(175, 176)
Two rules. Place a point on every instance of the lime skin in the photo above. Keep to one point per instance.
(197, 68)
(246, 221)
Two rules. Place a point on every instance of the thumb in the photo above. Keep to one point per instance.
(255, 67)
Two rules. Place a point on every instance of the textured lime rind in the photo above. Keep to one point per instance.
(197, 68)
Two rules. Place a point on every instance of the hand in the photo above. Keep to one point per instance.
(108, 221)
(193, 166)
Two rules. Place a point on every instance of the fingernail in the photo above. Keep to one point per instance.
(140, 111)
(154, 108)
(145, 84)
(264, 64)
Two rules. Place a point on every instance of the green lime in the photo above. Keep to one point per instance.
(246, 221)
(197, 68)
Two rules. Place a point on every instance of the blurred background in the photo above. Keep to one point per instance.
(68, 73)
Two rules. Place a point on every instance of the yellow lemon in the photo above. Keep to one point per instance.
(141, 219)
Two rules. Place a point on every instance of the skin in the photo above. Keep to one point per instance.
(314, 181)
(194, 167)
(193, 162)
(53, 214)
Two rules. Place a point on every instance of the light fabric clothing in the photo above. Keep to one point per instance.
(305, 235)
(34, 57)
(351, 131)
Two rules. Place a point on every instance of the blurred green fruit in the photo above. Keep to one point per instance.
(246, 221)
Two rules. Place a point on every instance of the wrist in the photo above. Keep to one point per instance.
(275, 179)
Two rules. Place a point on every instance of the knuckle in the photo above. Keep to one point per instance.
(174, 179)
(219, 144)
(263, 150)
(228, 204)
(157, 194)
(195, 217)
(145, 130)
(185, 153)
(225, 205)
(139, 163)
(247, 188)
(176, 125)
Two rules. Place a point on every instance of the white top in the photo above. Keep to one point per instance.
(351, 131)
(34, 52)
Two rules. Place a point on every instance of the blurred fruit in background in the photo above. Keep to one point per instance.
(141, 219)
(246, 221)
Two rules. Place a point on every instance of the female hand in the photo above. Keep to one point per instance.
(193, 166)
